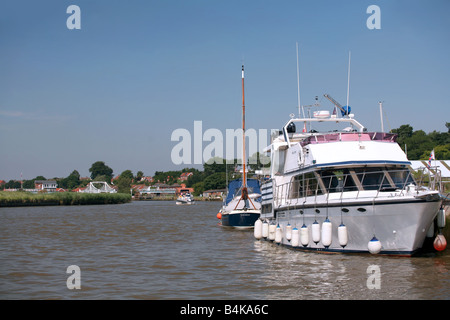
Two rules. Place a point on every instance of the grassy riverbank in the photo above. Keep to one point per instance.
(18, 199)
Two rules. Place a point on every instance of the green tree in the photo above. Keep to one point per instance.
(28, 184)
(124, 181)
(215, 181)
(70, 182)
(199, 187)
(99, 168)
(139, 175)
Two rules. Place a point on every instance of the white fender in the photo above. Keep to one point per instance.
(272, 229)
(342, 235)
(374, 245)
(265, 229)
(295, 237)
(327, 230)
(278, 234)
(288, 232)
(257, 229)
(315, 232)
(304, 235)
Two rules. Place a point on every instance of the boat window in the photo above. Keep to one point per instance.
(304, 185)
(332, 180)
(382, 178)
(266, 208)
(340, 180)
(401, 178)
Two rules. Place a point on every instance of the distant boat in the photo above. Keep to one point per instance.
(185, 198)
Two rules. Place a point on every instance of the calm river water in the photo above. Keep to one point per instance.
(158, 250)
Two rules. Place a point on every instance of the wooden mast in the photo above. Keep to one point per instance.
(244, 177)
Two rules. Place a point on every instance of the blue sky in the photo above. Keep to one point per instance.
(116, 89)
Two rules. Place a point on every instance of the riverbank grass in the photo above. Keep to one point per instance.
(19, 198)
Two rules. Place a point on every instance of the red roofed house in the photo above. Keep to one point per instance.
(185, 175)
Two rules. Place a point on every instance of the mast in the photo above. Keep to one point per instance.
(244, 176)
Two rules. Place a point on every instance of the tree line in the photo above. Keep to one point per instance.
(418, 145)
(216, 171)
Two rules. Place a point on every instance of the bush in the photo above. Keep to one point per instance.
(15, 199)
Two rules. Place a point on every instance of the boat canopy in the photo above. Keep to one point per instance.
(234, 188)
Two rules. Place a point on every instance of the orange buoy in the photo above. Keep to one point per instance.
(440, 243)
(219, 216)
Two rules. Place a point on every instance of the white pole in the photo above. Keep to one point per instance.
(381, 116)
(348, 77)
(298, 85)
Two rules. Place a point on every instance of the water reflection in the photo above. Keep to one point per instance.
(304, 275)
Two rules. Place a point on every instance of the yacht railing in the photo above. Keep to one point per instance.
(339, 185)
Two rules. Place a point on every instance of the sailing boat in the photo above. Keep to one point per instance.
(242, 206)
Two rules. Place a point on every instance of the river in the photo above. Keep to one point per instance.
(158, 250)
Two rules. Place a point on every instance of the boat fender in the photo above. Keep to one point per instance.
(327, 230)
(219, 216)
(374, 245)
(440, 243)
(257, 230)
(441, 218)
(278, 234)
(272, 229)
(265, 229)
(304, 235)
(288, 232)
(315, 232)
(295, 237)
(342, 235)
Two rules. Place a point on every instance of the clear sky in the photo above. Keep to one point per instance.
(116, 89)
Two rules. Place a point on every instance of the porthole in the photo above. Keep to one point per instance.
(345, 210)
(361, 210)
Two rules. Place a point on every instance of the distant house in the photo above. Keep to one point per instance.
(148, 179)
(78, 189)
(45, 185)
(185, 175)
(216, 193)
(182, 188)
(158, 189)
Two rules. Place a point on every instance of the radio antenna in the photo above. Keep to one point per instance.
(348, 78)
(298, 86)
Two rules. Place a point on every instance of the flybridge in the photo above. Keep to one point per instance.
(349, 136)
(289, 128)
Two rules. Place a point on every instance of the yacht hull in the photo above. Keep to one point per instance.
(240, 218)
(400, 226)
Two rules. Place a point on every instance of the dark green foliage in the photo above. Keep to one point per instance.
(16, 199)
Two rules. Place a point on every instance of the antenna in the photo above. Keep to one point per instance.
(348, 78)
(298, 86)
(381, 116)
